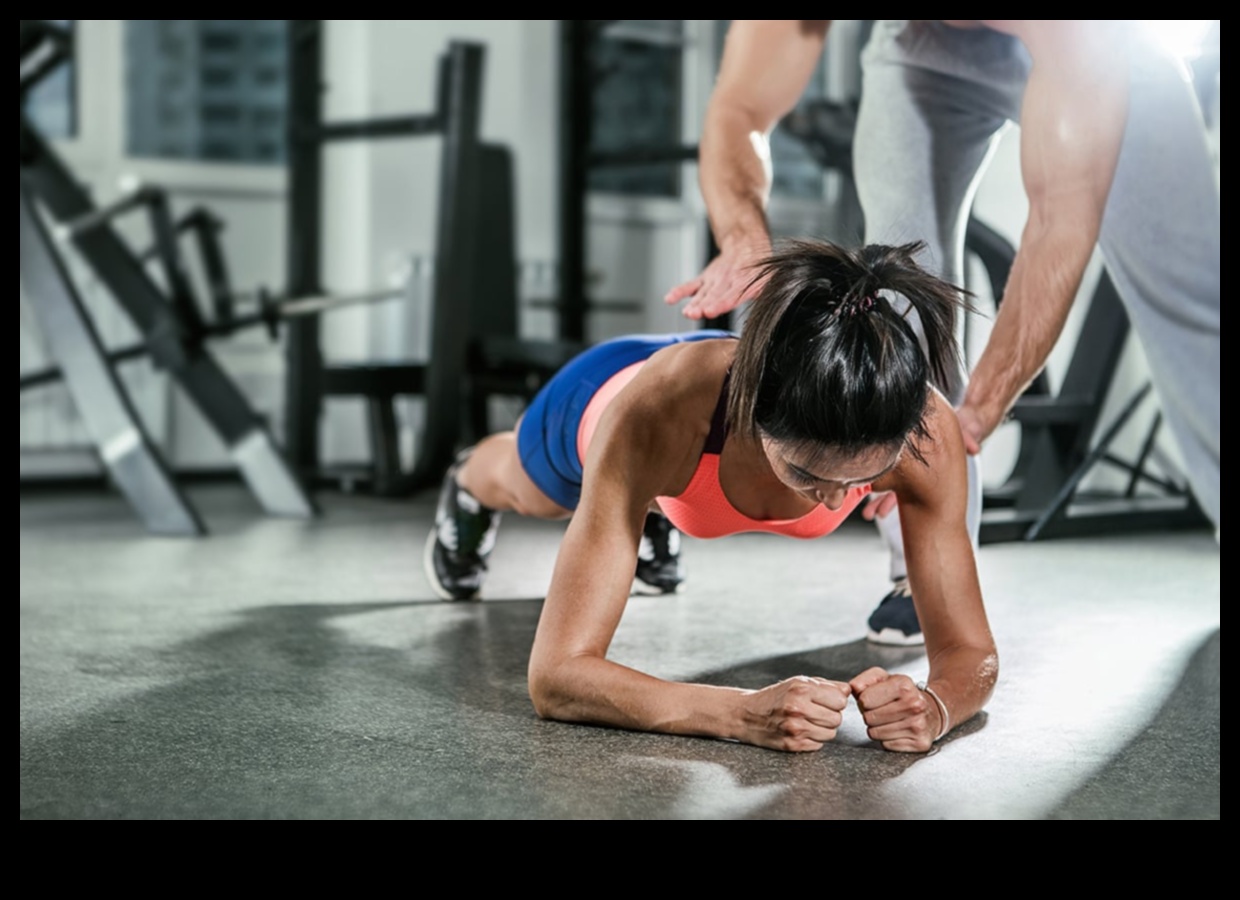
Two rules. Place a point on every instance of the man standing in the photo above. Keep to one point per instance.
(1113, 152)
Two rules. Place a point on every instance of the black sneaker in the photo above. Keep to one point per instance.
(458, 545)
(895, 620)
(658, 558)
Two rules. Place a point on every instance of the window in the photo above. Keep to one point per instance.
(52, 104)
(635, 69)
(206, 89)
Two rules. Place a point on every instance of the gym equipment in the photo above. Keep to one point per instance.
(271, 313)
(169, 321)
(1042, 496)
(477, 352)
(475, 348)
(578, 78)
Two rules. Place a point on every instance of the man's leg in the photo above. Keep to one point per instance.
(1160, 239)
(934, 102)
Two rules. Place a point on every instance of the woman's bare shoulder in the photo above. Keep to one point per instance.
(658, 423)
(691, 366)
(678, 385)
(942, 453)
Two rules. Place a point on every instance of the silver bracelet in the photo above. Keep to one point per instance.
(946, 719)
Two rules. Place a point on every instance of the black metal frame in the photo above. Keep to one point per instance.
(309, 379)
(577, 158)
(169, 322)
(475, 351)
(125, 448)
(1041, 498)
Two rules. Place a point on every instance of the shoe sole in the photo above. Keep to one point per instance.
(428, 568)
(893, 637)
(640, 588)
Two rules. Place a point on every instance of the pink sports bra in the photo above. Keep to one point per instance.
(702, 510)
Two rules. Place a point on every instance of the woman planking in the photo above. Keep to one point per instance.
(825, 397)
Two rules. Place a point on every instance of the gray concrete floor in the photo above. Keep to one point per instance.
(292, 669)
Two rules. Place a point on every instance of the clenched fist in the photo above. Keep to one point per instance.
(897, 714)
(797, 714)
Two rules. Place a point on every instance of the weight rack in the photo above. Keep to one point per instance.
(170, 323)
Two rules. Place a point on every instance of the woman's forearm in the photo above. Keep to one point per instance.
(589, 689)
(796, 715)
(963, 678)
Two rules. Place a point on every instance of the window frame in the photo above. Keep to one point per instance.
(97, 152)
(698, 73)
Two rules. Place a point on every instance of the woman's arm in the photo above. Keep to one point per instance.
(638, 451)
(943, 576)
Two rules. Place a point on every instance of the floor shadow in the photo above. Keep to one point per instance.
(405, 710)
(1172, 769)
(289, 711)
(840, 662)
(848, 777)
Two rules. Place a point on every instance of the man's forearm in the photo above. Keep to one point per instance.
(1041, 288)
(765, 68)
(1073, 117)
(735, 174)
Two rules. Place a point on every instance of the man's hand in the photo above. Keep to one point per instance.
(973, 429)
(726, 283)
(896, 713)
(797, 714)
(879, 505)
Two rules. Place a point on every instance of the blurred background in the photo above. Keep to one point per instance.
(547, 165)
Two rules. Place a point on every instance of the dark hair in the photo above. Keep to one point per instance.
(825, 360)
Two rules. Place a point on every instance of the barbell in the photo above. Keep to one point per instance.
(270, 313)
